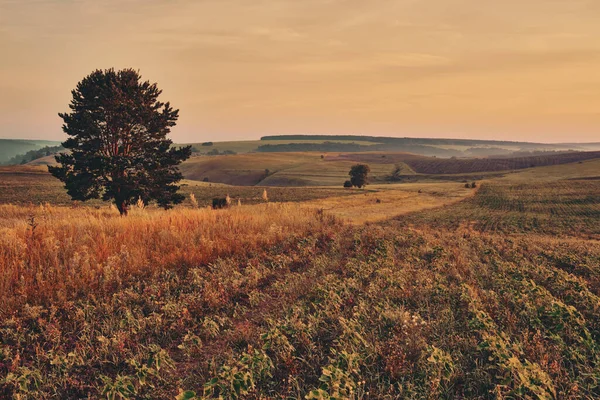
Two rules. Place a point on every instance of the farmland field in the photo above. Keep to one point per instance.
(331, 169)
(435, 291)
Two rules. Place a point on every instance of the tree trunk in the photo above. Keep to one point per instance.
(122, 207)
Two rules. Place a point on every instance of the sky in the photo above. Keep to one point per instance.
(240, 69)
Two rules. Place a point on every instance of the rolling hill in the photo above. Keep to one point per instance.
(314, 169)
(12, 147)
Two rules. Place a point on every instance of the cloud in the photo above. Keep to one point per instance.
(238, 65)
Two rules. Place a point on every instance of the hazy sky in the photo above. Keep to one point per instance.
(237, 69)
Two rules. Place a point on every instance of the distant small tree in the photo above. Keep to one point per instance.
(348, 184)
(359, 175)
(397, 173)
(118, 142)
(474, 185)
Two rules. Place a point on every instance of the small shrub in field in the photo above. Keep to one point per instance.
(219, 202)
(348, 184)
(467, 185)
(474, 185)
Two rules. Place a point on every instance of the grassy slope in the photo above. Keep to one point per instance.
(10, 148)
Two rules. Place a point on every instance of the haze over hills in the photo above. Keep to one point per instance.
(439, 147)
(12, 147)
(317, 160)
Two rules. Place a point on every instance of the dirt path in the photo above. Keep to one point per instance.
(387, 201)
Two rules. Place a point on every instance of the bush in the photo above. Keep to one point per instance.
(348, 184)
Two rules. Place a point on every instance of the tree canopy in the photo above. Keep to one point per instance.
(359, 175)
(118, 145)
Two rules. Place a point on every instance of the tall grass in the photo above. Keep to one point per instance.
(56, 253)
(273, 301)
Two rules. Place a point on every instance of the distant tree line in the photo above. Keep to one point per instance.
(31, 155)
(410, 141)
(326, 146)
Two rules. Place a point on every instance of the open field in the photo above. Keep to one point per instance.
(432, 165)
(383, 202)
(331, 169)
(493, 292)
(313, 168)
(34, 185)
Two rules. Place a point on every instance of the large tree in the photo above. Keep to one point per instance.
(118, 145)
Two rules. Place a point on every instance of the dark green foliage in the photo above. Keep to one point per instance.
(208, 144)
(216, 152)
(326, 146)
(118, 142)
(359, 175)
(348, 184)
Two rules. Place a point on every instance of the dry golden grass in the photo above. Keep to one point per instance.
(56, 253)
(382, 202)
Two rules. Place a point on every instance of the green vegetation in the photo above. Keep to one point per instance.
(10, 148)
(32, 155)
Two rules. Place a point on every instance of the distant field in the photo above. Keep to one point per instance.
(331, 169)
(555, 200)
(431, 165)
(27, 184)
(34, 185)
